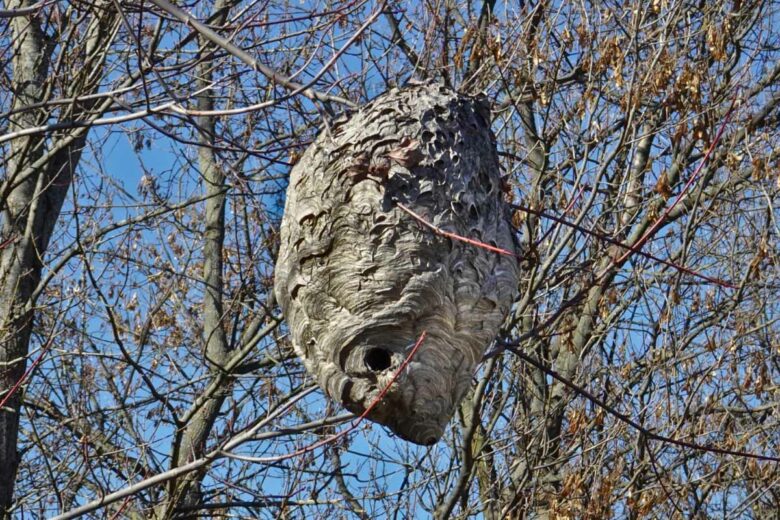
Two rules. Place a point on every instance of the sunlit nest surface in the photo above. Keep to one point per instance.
(359, 279)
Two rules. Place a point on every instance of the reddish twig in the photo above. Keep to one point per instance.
(26, 374)
(7, 241)
(121, 508)
(630, 248)
(354, 423)
(371, 406)
(401, 368)
(454, 236)
(601, 236)
(566, 210)
(628, 420)
(657, 224)
(224, 452)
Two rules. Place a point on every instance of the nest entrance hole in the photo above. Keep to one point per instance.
(378, 359)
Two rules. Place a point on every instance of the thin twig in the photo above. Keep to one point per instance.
(25, 11)
(630, 248)
(601, 236)
(455, 236)
(27, 373)
(649, 435)
(271, 74)
(354, 424)
(234, 443)
(657, 224)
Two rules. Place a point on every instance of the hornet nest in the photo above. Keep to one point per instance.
(359, 279)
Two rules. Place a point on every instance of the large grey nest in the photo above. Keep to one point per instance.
(359, 279)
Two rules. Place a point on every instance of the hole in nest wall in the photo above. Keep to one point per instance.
(377, 359)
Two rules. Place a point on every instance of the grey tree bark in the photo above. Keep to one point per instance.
(191, 438)
(23, 233)
(359, 279)
(36, 181)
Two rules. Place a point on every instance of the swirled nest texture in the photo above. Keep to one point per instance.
(359, 279)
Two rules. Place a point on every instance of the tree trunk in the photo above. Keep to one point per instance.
(31, 197)
(191, 443)
(25, 227)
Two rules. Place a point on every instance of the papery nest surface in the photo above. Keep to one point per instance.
(359, 279)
